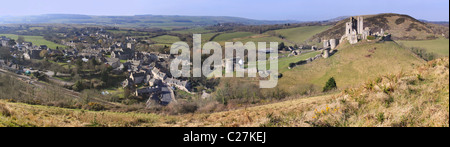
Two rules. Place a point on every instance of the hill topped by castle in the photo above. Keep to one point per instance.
(402, 27)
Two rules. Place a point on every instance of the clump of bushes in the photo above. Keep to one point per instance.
(400, 21)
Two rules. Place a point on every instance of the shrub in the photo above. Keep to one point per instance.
(189, 107)
(94, 106)
(330, 85)
(400, 21)
(4, 110)
(371, 37)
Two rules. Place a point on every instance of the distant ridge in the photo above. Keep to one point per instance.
(147, 20)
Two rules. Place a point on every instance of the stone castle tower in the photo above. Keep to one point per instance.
(354, 30)
(355, 26)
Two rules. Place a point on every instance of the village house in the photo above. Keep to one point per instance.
(147, 90)
(4, 41)
(158, 74)
(32, 54)
(182, 85)
(113, 62)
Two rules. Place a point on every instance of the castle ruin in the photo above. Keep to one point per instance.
(354, 30)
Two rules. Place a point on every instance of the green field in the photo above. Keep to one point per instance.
(231, 36)
(166, 39)
(197, 30)
(36, 40)
(350, 66)
(439, 46)
(301, 34)
(206, 37)
(263, 38)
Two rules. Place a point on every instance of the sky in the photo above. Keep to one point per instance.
(302, 10)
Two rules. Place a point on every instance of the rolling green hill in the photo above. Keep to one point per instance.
(231, 36)
(301, 34)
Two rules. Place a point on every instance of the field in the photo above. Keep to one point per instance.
(263, 38)
(197, 30)
(231, 36)
(440, 47)
(165, 39)
(36, 40)
(301, 34)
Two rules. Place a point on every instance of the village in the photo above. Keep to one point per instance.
(143, 78)
(147, 74)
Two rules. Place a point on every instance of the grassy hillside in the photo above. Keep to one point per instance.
(402, 27)
(36, 40)
(416, 98)
(231, 36)
(350, 66)
(301, 34)
(440, 47)
(263, 38)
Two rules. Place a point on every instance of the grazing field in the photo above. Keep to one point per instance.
(232, 36)
(440, 47)
(36, 40)
(197, 30)
(262, 38)
(165, 39)
(350, 66)
(301, 34)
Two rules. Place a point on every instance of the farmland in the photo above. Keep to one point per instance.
(36, 40)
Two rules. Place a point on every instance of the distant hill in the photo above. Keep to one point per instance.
(444, 23)
(402, 27)
(135, 21)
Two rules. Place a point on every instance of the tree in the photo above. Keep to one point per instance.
(4, 53)
(105, 76)
(281, 46)
(330, 85)
(43, 53)
(11, 42)
(79, 63)
(21, 40)
(78, 86)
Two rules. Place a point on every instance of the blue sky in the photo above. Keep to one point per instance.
(304, 10)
